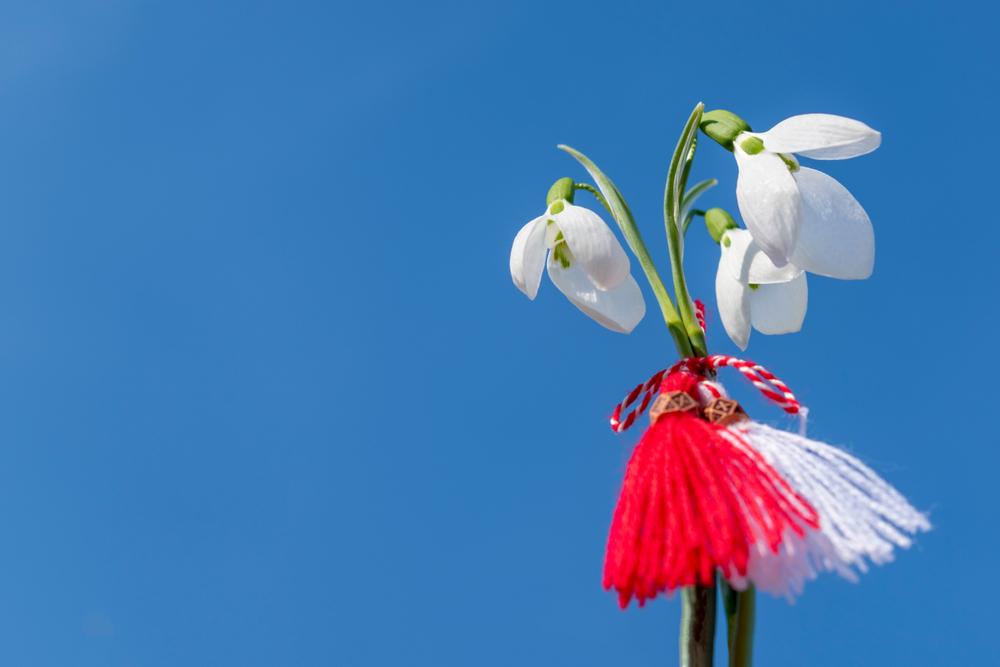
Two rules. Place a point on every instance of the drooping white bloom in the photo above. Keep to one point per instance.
(752, 291)
(585, 261)
(800, 215)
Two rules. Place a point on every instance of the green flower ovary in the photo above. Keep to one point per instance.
(752, 145)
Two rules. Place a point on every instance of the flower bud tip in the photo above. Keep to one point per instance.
(561, 189)
(723, 126)
(718, 222)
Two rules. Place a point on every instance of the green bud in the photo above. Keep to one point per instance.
(723, 126)
(752, 145)
(561, 189)
(717, 221)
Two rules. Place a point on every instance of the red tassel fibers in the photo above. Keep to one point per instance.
(693, 501)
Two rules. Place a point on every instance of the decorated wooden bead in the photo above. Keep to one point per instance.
(671, 401)
(724, 411)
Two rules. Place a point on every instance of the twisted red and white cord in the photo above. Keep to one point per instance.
(647, 390)
(699, 314)
(766, 382)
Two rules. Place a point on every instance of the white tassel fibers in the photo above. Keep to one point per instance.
(862, 517)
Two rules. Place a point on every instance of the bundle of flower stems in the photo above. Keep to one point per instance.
(714, 503)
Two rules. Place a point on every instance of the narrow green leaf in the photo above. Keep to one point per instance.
(680, 166)
(680, 163)
(623, 216)
(687, 202)
(619, 209)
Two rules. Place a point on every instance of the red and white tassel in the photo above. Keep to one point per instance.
(696, 498)
(862, 517)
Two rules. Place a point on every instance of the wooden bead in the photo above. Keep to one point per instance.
(724, 411)
(671, 401)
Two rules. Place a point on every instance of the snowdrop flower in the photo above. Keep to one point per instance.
(752, 291)
(585, 261)
(801, 215)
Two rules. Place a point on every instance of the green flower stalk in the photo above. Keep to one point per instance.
(698, 602)
(680, 166)
(698, 613)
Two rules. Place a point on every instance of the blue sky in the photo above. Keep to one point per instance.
(268, 396)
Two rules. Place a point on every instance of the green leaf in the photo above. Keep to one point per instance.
(691, 197)
(623, 216)
(619, 209)
(680, 165)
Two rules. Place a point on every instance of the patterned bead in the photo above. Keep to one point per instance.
(724, 411)
(671, 401)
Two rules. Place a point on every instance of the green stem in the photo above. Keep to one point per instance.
(680, 166)
(740, 611)
(730, 603)
(674, 322)
(741, 632)
(697, 640)
(698, 611)
(695, 212)
(597, 195)
(698, 602)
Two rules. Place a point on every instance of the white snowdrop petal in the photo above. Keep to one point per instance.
(836, 238)
(618, 309)
(594, 245)
(769, 203)
(779, 308)
(821, 136)
(527, 257)
(734, 306)
(746, 262)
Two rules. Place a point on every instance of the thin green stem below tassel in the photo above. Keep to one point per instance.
(740, 609)
(697, 640)
(741, 635)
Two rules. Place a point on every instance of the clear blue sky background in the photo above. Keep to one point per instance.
(268, 396)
